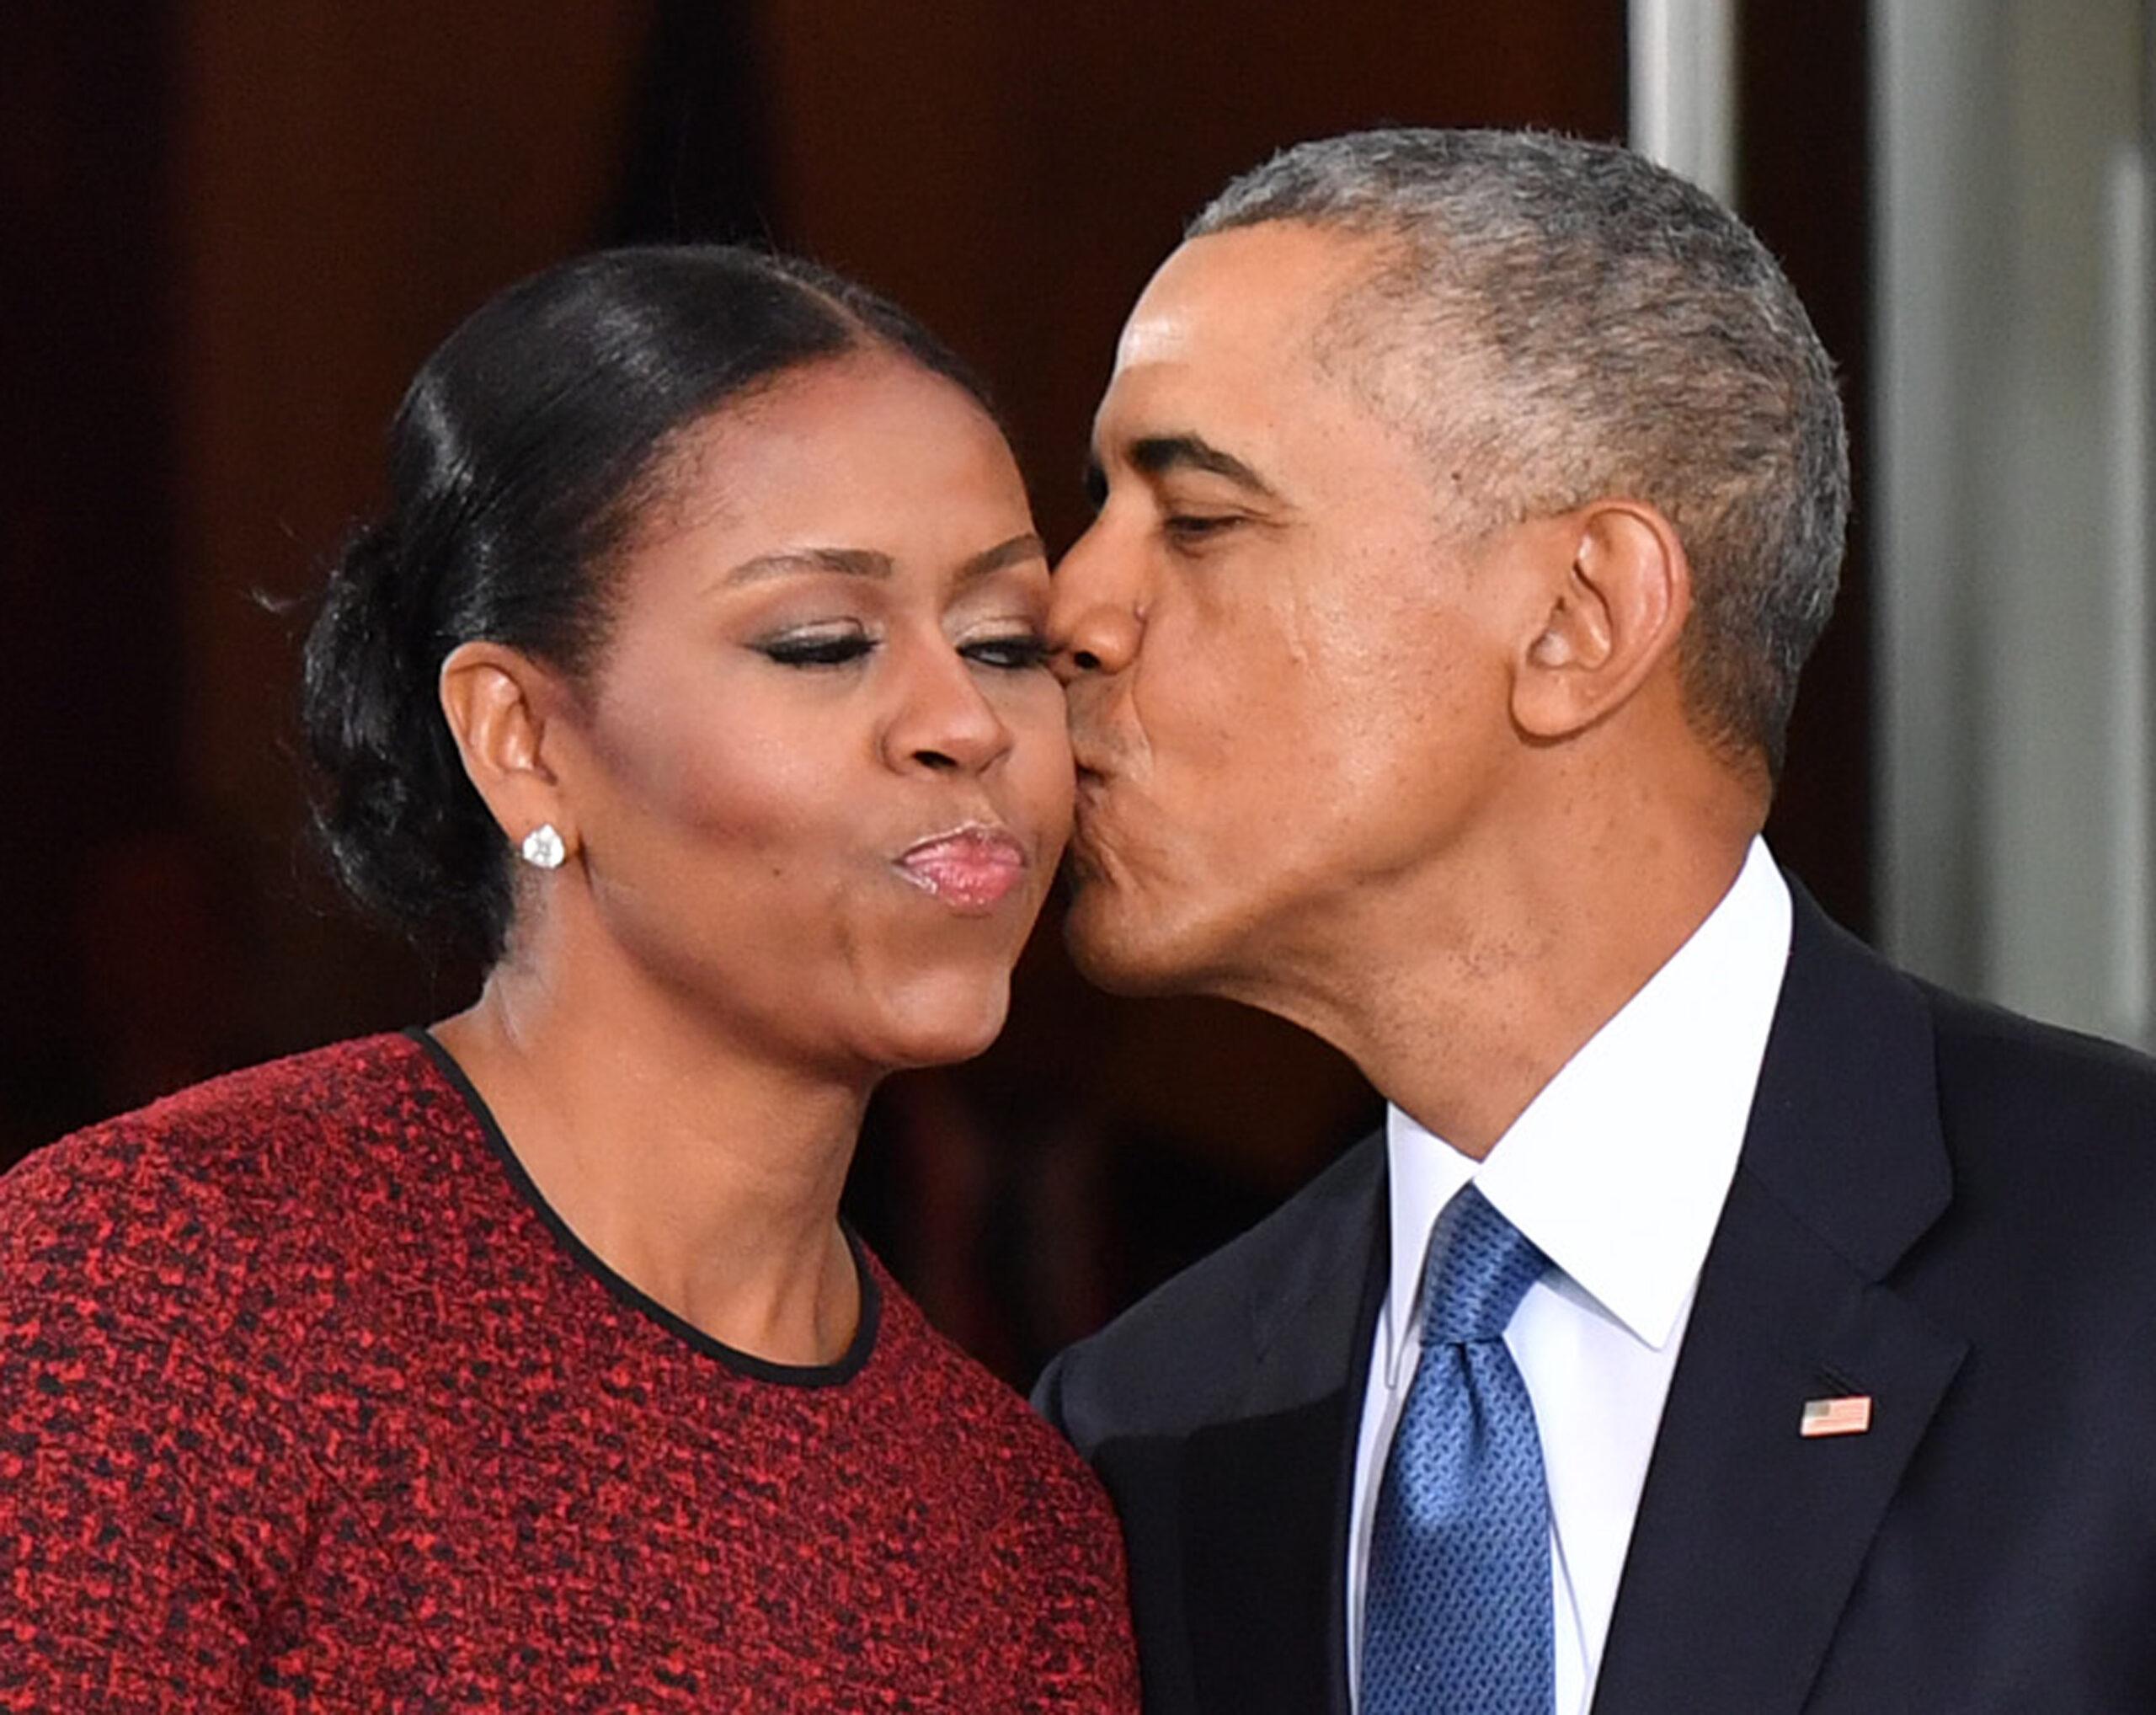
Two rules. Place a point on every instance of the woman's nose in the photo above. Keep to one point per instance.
(946, 720)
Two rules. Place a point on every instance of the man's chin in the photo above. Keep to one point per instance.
(1120, 949)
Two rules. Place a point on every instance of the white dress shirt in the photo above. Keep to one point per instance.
(1618, 1170)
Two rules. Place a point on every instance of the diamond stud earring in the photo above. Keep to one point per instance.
(542, 847)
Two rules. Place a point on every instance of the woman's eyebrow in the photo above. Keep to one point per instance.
(1026, 546)
(849, 562)
(868, 563)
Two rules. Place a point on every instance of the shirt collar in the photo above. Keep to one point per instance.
(1619, 1168)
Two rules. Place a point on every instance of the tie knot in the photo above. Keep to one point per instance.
(1479, 1268)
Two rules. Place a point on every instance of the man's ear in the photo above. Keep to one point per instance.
(1614, 613)
(499, 702)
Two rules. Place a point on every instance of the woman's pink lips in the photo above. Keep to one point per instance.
(971, 868)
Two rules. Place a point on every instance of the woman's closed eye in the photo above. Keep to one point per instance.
(821, 647)
(1013, 651)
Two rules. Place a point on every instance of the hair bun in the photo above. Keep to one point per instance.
(401, 822)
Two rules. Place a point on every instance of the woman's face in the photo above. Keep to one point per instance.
(820, 779)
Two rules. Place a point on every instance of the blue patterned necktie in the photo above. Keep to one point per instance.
(1456, 1616)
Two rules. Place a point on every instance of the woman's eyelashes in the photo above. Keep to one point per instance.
(821, 647)
(1016, 650)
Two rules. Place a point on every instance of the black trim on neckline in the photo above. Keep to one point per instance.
(845, 1368)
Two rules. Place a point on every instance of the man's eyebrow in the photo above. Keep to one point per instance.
(1156, 454)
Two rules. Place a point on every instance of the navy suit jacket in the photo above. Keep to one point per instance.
(1941, 1205)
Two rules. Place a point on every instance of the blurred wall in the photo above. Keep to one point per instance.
(349, 181)
(88, 602)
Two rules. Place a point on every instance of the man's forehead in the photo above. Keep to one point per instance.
(1155, 334)
(1249, 292)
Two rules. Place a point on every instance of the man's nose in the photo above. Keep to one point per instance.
(1098, 616)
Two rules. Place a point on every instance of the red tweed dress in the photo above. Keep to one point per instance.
(308, 1403)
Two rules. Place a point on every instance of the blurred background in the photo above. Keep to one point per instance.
(230, 229)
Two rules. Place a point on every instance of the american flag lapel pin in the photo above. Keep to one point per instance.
(1850, 1414)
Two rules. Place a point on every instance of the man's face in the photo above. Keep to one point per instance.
(1288, 667)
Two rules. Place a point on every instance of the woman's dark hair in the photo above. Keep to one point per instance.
(519, 462)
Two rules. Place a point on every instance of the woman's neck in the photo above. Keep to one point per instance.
(706, 1177)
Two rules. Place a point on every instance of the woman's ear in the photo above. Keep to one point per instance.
(1615, 611)
(499, 704)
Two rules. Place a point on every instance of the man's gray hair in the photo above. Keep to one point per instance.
(1580, 323)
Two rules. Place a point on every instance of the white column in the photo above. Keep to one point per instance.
(2131, 377)
(2012, 502)
(1684, 89)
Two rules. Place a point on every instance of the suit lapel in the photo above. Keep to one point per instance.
(1267, 1489)
(1749, 1537)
